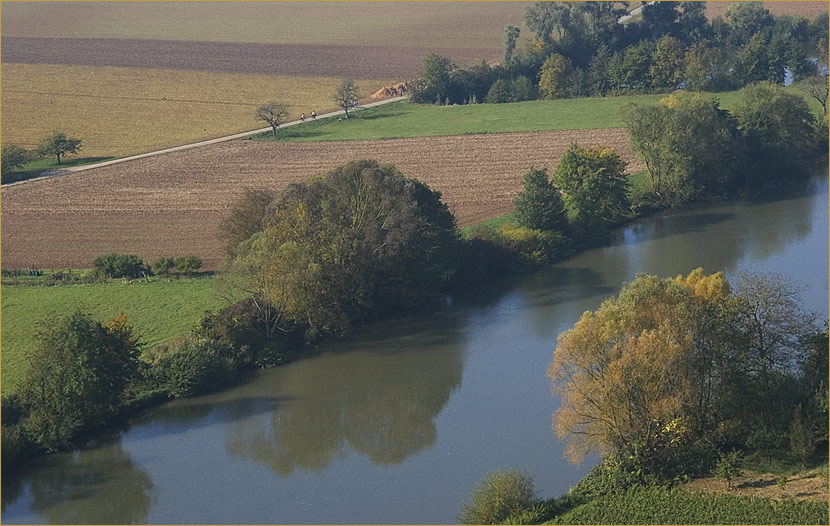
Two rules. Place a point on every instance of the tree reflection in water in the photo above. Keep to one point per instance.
(381, 404)
(100, 486)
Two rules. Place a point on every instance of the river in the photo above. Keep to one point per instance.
(399, 423)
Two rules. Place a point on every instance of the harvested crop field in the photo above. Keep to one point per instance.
(355, 61)
(456, 25)
(123, 111)
(172, 204)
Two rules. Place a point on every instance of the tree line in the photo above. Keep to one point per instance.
(580, 49)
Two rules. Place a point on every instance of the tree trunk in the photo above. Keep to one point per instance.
(59, 157)
(273, 131)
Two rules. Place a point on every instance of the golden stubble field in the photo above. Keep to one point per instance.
(172, 204)
(123, 111)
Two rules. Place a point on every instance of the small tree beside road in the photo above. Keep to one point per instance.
(346, 94)
(59, 145)
(274, 113)
(12, 158)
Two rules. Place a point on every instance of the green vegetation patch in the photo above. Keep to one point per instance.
(159, 311)
(662, 505)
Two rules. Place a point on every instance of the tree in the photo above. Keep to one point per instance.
(817, 87)
(523, 89)
(76, 376)
(500, 91)
(747, 19)
(245, 219)
(59, 145)
(434, 84)
(188, 264)
(357, 240)
(163, 265)
(691, 147)
(274, 113)
(666, 69)
(12, 158)
(778, 126)
(511, 35)
(543, 17)
(728, 467)
(556, 79)
(346, 95)
(539, 204)
(594, 187)
(802, 441)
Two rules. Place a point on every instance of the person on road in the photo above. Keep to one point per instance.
(302, 117)
(313, 114)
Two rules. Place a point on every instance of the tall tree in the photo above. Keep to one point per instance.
(59, 145)
(274, 113)
(346, 95)
(511, 36)
(556, 79)
(539, 205)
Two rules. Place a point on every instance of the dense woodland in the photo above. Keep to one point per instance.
(578, 49)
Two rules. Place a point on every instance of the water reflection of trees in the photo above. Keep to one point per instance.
(378, 396)
(100, 486)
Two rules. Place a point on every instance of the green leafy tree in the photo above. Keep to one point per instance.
(747, 19)
(358, 240)
(594, 187)
(636, 66)
(817, 87)
(666, 69)
(511, 36)
(188, 264)
(163, 266)
(274, 113)
(499, 495)
(802, 440)
(118, 265)
(500, 91)
(691, 147)
(434, 84)
(76, 377)
(779, 128)
(556, 79)
(539, 205)
(12, 157)
(542, 18)
(59, 145)
(523, 89)
(346, 94)
(245, 219)
(728, 467)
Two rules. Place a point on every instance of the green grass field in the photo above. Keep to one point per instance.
(405, 119)
(159, 311)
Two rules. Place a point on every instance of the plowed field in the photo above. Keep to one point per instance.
(172, 204)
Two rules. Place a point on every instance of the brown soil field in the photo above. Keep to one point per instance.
(124, 111)
(801, 9)
(172, 204)
(355, 61)
(455, 25)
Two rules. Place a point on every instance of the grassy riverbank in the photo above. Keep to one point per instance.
(159, 310)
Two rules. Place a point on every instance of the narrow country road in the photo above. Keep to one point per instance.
(74, 169)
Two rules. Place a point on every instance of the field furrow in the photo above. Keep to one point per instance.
(173, 204)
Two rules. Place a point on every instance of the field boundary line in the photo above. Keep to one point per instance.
(75, 169)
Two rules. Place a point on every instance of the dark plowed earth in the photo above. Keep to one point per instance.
(172, 204)
(265, 59)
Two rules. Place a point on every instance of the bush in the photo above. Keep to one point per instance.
(500, 495)
(162, 266)
(241, 330)
(535, 247)
(187, 367)
(728, 467)
(187, 265)
(543, 511)
(118, 266)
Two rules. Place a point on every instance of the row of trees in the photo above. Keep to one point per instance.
(131, 266)
(580, 49)
(672, 371)
(693, 149)
(275, 113)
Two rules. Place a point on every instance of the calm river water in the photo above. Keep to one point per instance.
(398, 424)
